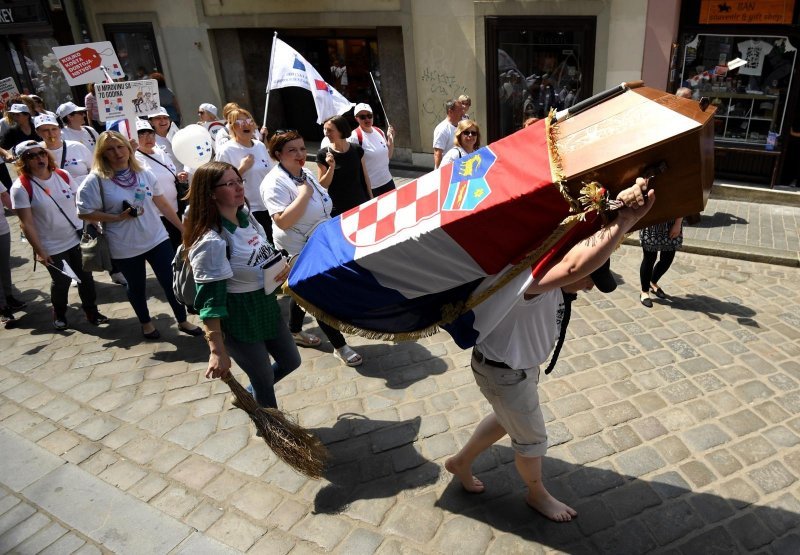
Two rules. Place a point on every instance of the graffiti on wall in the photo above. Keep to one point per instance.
(437, 87)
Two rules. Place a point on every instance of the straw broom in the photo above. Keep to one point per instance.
(292, 443)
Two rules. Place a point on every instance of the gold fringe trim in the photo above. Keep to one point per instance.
(556, 166)
(344, 327)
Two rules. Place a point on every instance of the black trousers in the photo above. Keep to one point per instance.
(650, 271)
(59, 284)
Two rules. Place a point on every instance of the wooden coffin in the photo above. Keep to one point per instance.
(637, 131)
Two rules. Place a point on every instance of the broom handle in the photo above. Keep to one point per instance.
(597, 99)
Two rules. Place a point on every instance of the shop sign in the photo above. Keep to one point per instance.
(84, 63)
(752, 12)
(22, 13)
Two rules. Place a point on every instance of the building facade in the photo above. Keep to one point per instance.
(514, 58)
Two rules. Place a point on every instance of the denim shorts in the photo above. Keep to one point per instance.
(514, 396)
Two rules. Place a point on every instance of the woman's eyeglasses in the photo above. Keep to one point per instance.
(470, 133)
(364, 116)
(247, 121)
(232, 184)
(32, 155)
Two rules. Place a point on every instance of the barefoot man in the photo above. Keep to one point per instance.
(516, 330)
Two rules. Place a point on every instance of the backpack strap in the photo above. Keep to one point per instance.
(360, 136)
(26, 184)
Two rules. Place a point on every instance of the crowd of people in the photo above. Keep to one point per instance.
(251, 210)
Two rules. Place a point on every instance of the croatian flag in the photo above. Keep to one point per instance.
(404, 263)
(290, 69)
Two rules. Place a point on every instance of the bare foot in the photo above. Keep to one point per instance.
(468, 481)
(550, 507)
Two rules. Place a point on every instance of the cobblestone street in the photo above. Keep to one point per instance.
(675, 428)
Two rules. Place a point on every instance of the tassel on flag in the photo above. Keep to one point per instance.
(290, 69)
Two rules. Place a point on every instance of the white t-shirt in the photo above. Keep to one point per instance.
(453, 154)
(517, 331)
(56, 233)
(278, 192)
(3, 221)
(443, 135)
(164, 176)
(85, 135)
(165, 143)
(79, 159)
(249, 249)
(754, 53)
(376, 156)
(223, 135)
(133, 236)
(233, 153)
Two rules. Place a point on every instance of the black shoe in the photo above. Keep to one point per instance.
(15, 304)
(96, 319)
(658, 293)
(152, 335)
(60, 322)
(647, 302)
(7, 319)
(197, 331)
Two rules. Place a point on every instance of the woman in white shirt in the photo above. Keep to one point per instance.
(467, 141)
(126, 199)
(71, 156)
(173, 183)
(249, 156)
(298, 204)
(44, 198)
(378, 149)
(75, 128)
(8, 304)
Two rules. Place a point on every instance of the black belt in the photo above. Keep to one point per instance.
(477, 355)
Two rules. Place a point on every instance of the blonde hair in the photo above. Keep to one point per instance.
(100, 165)
(235, 113)
(462, 126)
(227, 109)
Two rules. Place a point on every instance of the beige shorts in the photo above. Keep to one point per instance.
(514, 396)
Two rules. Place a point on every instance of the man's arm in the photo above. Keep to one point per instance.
(438, 153)
(588, 255)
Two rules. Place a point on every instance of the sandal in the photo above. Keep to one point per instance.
(347, 355)
(305, 339)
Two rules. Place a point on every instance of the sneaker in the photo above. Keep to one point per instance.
(117, 277)
(96, 319)
(15, 304)
(60, 322)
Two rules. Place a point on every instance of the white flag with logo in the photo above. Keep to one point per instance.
(290, 69)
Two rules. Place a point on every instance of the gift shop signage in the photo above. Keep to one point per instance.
(748, 12)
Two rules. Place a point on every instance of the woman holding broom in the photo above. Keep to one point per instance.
(227, 249)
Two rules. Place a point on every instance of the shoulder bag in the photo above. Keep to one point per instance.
(95, 254)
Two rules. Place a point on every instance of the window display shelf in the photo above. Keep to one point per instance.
(743, 118)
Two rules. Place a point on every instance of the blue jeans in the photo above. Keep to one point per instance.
(253, 358)
(160, 260)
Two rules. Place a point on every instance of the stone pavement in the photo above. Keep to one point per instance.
(672, 429)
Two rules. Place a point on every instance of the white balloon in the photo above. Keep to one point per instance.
(192, 145)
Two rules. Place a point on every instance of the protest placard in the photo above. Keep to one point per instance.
(127, 99)
(8, 90)
(81, 63)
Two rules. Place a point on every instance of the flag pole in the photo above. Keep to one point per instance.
(269, 76)
(378, 94)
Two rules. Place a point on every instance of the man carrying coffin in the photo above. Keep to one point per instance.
(516, 329)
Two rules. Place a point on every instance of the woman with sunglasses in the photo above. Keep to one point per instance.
(341, 169)
(467, 141)
(169, 179)
(298, 204)
(249, 156)
(378, 149)
(127, 199)
(226, 248)
(44, 198)
(75, 128)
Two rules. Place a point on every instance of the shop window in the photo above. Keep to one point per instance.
(751, 101)
(535, 64)
(37, 69)
(135, 45)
